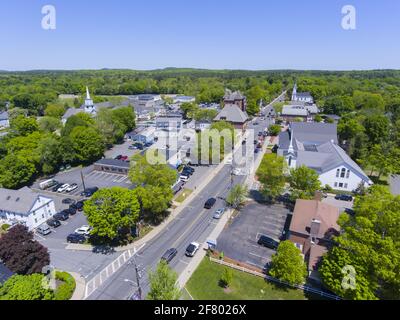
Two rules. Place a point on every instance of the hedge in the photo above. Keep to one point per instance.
(66, 289)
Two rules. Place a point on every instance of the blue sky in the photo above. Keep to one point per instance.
(217, 34)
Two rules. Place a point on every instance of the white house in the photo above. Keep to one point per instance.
(26, 207)
(315, 146)
(4, 120)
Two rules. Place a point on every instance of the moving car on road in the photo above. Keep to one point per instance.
(192, 249)
(76, 238)
(210, 203)
(218, 214)
(169, 255)
(268, 242)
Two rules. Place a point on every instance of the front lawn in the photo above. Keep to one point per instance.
(183, 195)
(204, 285)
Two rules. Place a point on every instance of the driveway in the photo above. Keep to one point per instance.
(342, 205)
(239, 240)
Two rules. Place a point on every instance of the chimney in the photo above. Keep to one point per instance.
(314, 230)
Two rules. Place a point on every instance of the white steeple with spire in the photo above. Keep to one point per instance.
(294, 94)
(291, 156)
(89, 105)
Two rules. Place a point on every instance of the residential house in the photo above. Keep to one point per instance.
(145, 136)
(312, 228)
(4, 119)
(170, 122)
(26, 207)
(315, 145)
(234, 114)
(235, 98)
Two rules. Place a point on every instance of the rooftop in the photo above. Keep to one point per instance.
(4, 115)
(18, 201)
(113, 163)
(232, 113)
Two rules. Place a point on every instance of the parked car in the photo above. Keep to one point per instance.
(61, 216)
(184, 178)
(84, 230)
(79, 205)
(350, 212)
(148, 144)
(192, 249)
(63, 188)
(344, 197)
(76, 238)
(268, 242)
(210, 203)
(72, 187)
(71, 211)
(219, 213)
(44, 230)
(132, 148)
(48, 184)
(169, 255)
(57, 186)
(68, 201)
(124, 158)
(53, 223)
(89, 192)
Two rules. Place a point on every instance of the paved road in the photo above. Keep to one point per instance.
(193, 224)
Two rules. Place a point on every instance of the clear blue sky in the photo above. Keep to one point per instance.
(217, 34)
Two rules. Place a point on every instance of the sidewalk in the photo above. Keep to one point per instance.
(79, 292)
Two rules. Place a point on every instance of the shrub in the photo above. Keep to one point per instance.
(226, 277)
(274, 130)
(5, 227)
(66, 289)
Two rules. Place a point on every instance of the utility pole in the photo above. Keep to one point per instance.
(138, 276)
(83, 181)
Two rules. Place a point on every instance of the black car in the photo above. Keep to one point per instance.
(79, 205)
(76, 238)
(71, 211)
(169, 255)
(344, 197)
(186, 172)
(53, 223)
(57, 186)
(210, 203)
(268, 242)
(68, 201)
(61, 216)
(89, 192)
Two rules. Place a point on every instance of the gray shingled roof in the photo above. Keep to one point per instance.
(114, 163)
(232, 113)
(314, 133)
(304, 94)
(71, 112)
(4, 115)
(18, 201)
(231, 96)
(294, 111)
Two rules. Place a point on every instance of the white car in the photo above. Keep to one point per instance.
(84, 230)
(63, 188)
(72, 187)
(192, 249)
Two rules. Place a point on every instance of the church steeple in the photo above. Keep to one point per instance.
(87, 94)
(294, 93)
(89, 105)
(291, 148)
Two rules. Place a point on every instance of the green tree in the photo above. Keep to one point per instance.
(376, 128)
(125, 116)
(271, 175)
(87, 143)
(226, 277)
(369, 243)
(16, 171)
(288, 264)
(30, 287)
(274, 130)
(338, 105)
(73, 122)
(304, 182)
(24, 126)
(349, 127)
(189, 109)
(112, 210)
(50, 155)
(54, 111)
(49, 124)
(237, 196)
(163, 283)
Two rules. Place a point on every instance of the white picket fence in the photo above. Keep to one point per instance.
(258, 274)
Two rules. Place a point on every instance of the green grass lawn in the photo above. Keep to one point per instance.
(204, 285)
(183, 195)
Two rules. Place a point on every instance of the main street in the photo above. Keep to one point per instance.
(194, 223)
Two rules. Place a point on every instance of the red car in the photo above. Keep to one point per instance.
(124, 158)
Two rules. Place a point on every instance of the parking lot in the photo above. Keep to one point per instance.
(342, 205)
(239, 240)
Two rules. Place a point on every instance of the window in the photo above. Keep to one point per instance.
(337, 173)
(340, 185)
(35, 220)
(343, 174)
(348, 174)
(346, 185)
(335, 184)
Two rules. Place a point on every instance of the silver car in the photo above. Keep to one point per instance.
(218, 214)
